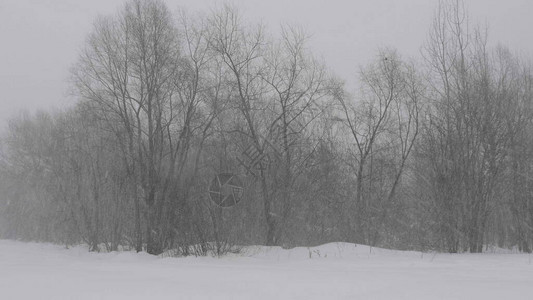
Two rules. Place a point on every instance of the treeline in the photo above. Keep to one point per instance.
(432, 154)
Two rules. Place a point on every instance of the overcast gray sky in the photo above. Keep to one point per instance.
(40, 39)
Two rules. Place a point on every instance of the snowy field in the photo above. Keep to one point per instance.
(332, 271)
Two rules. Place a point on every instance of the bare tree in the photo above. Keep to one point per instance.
(133, 71)
(387, 118)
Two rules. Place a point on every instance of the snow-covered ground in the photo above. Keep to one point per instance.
(332, 271)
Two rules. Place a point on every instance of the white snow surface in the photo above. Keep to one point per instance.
(331, 271)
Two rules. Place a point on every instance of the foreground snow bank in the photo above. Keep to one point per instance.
(331, 271)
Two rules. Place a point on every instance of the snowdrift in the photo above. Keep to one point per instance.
(331, 271)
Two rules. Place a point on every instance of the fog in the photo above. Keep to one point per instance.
(189, 147)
